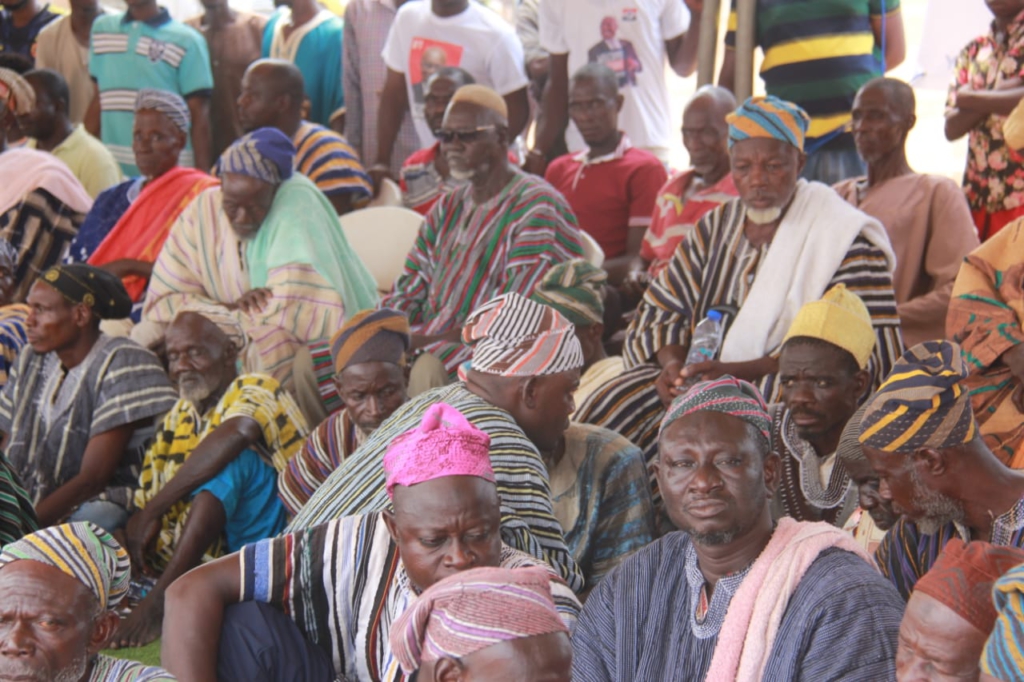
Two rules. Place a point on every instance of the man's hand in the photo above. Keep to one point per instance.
(140, 534)
(377, 174)
(669, 381)
(634, 286)
(254, 301)
(535, 163)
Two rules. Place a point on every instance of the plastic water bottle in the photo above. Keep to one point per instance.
(706, 341)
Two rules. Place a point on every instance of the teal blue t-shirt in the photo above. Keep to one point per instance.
(126, 56)
(247, 487)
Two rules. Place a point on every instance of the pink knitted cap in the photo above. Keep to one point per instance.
(444, 444)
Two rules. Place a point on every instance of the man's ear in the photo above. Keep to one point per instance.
(389, 521)
(772, 468)
(447, 670)
(931, 461)
(619, 101)
(82, 315)
(801, 161)
(595, 331)
(103, 631)
(861, 383)
(529, 391)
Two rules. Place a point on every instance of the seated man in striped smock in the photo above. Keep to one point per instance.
(497, 234)
(319, 604)
(734, 595)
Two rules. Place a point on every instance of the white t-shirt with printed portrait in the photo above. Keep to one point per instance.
(477, 40)
(627, 36)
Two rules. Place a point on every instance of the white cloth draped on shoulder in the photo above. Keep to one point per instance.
(810, 244)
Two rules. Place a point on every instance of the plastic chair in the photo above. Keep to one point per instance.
(592, 251)
(390, 194)
(382, 237)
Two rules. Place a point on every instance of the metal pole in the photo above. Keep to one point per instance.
(746, 16)
(707, 51)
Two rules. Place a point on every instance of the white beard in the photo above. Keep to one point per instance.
(764, 216)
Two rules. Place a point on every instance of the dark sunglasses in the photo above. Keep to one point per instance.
(463, 136)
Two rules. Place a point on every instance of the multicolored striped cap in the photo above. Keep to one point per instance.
(513, 336)
(83, 551)
(921, 404)
(265, 154)
(473, 610)
(15, 93)
(727, 395)
(769, 117)
(575, 289)
(1003, 657)
(371, 336)
(962, 579)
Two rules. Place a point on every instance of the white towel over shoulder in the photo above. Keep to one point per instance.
(807, 250)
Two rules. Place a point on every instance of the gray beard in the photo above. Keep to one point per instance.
(74, 671)
(936, 509)
(764, 216)
(461, 175)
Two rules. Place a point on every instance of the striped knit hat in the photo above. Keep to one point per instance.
(473, 610)
(1003, 657)
(575, 289)
(168, 103)
(513, 336)
(727, 395)
(265, 154)
(921, 404)
(768, 117)
(83, 551)
(15, 93)
(371, 336)
(962, 579)
(223, 319)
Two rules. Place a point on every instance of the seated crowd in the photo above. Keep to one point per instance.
(527, 459)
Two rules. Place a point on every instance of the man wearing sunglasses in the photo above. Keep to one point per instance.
(497, 234)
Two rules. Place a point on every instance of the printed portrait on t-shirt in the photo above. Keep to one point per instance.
(425, 58)
(618, 55)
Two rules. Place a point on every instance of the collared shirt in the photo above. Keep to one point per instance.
(367, 23)
(675, 217)
(90, 161)
(994, 176)
(610, 193)
(126, 56)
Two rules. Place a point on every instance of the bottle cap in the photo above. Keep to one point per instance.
(715, 315)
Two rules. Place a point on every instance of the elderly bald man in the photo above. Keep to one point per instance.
(209, 479)
(59, 589)
(690, 194)
(518, 390)
(926, 216)
(272, 96)
(762, 254)
(498, 234)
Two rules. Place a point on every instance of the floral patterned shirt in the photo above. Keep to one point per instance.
(994, 177)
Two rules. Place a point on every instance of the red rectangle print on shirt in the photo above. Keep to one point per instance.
(426, 57)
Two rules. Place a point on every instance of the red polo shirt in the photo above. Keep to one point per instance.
(611, 193)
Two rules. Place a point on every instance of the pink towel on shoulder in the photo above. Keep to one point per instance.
(755, 613)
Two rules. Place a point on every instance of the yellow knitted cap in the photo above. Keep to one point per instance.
(840, 318)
